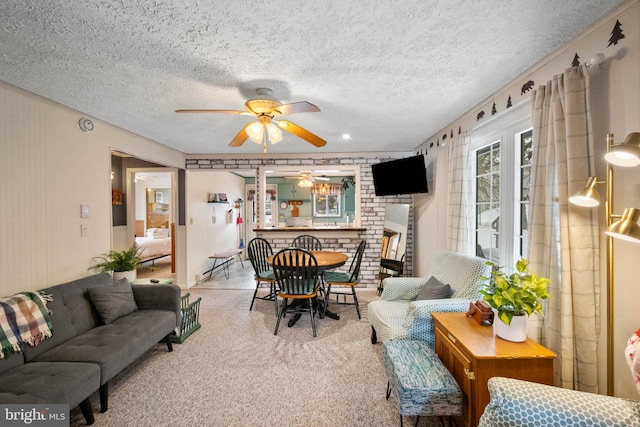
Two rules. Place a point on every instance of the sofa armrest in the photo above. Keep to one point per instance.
(158, 297)
(422, 327)
(402, 288)
(522, 403)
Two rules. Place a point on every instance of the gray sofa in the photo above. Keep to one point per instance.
(99, 327)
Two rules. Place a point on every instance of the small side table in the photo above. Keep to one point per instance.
(473, 354)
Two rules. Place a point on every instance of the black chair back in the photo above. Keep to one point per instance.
(307, 242)
(296, 271)
(259, 250)
(354, 269)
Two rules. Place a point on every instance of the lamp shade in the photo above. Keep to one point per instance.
(627, 227)
(275, 134)
(255, 132)
(588, 196)
(626, 154)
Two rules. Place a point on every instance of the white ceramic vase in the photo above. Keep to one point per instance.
(516, 332)
(130, 275)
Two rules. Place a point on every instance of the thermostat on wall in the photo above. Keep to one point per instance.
(85, 124)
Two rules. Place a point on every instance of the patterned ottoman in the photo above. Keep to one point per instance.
(419, 380)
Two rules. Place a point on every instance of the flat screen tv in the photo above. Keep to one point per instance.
(401, 176)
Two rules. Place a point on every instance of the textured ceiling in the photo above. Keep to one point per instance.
(390, 74)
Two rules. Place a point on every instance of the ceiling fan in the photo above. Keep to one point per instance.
(265, 108)
(306, 179)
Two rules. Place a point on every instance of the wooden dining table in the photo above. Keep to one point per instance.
(326, 260)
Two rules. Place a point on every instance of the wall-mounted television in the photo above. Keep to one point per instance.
(400, 176)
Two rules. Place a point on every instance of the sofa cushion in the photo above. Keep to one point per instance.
(43, 382)
(71, 312)
(435, 289)
(113, 301)
(12, 361)
(114, 346)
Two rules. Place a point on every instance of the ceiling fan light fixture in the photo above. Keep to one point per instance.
(305, 183)
(275, 134)
(255, 131)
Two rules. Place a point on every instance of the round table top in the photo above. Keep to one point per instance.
(326, 259)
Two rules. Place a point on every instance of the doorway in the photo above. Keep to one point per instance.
(154, 217)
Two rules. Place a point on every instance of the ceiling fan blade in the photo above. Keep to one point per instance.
(321, 178)
(246, 113)
(296, 107)
(302, 133)
(241, 137)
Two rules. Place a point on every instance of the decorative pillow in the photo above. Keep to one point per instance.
(113, 301)
(434, 289)
(160, 233)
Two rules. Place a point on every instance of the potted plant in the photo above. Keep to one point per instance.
(121, 263)
(514, 297)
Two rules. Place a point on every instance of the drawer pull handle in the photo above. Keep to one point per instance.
(452, 338)
(469, 374)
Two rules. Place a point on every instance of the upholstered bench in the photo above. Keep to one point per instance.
(419, 380)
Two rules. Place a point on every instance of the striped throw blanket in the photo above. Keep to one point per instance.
(24, 318)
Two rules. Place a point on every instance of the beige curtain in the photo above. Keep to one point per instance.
(459, 203)
(563, 239)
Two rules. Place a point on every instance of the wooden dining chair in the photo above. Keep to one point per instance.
(345, 278)
(296, 272)
(259, 250)
(307, 242)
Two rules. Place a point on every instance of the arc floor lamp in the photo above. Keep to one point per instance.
(626, 154)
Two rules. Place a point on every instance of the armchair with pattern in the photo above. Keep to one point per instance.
(517, 403)
(398, 315)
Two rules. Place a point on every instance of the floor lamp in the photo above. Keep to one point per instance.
(626, 154)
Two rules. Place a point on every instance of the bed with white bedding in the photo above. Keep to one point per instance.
(156, 244)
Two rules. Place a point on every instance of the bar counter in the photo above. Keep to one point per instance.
(296, 229)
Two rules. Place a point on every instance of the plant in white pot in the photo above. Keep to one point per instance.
(514, 297)
(121, 263)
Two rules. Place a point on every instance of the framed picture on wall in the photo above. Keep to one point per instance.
(222, 197)
(116, 196)
(159, 197)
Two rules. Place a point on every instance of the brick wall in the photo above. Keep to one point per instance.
(372, 208)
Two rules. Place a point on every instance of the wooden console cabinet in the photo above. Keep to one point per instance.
(473, 354)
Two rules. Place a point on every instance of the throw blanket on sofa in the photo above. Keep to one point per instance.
(24, 318)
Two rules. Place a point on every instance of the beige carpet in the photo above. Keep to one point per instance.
(235, 372)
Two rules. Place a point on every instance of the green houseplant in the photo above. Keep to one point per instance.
(125, 261)
(515, 296)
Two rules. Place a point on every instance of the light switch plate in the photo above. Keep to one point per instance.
(84, 230)
(85, 211)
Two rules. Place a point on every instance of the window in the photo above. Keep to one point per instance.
(325, 205)
(501, 156)
(525, 140)
(488, 201)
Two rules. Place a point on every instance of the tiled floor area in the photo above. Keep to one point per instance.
(239, 277)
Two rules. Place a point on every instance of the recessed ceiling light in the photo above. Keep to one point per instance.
(346, 136)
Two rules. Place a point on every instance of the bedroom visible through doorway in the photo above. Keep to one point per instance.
(149, 206)
(154, 217)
